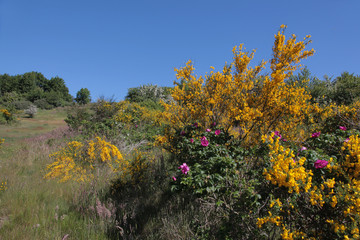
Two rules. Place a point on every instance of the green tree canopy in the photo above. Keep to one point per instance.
(34, 86)
(83, 96)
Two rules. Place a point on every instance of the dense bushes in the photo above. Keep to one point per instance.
(343, 90)
(35, 88)
(233, 155)
(148, 93)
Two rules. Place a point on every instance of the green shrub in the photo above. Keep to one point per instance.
(54, 98)
(22, 105)
(43, 104)
(78, 116)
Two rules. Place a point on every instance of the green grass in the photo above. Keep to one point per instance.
(32, 207)
(44, 121)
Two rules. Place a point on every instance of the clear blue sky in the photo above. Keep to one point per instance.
(111, 45)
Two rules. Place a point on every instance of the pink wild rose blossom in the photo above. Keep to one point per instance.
(204, 141)
(343, 128)
(320, 163)
(315, 134)
(208, 130)
(277, 133)
(184, 168)
(217, 132)
(191, 140)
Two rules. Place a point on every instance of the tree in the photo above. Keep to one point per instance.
(83, 96)
(58, 85)
(346, 88)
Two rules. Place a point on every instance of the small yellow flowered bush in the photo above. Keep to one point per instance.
(3, 186)
(79, 160)
(7, 115)
(129, 112)
(135, 168)
(5, 112)
(345, 115)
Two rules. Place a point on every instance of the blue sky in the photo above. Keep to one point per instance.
(111, 45)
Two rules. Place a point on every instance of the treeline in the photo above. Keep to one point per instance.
(20, 91)
(342, 90)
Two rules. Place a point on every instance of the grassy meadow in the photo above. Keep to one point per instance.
(31, 207)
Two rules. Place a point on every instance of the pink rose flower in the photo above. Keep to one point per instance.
(204, 141)
(315, 134)
(320, 163)
(191, 140)
(303, 148)
(208, 130)
(173, 178)
(217, 132)
(184, 168)
(277, 133)
(343, 128)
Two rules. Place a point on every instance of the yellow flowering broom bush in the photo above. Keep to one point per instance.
(7, 115)
(78, 160)
(241, 101)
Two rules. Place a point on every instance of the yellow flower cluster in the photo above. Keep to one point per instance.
(288, 235)
(333, 116)
(160, 140)
(127, 112)
(316, 197)
(340, 189)
(3, 186)
(78, 160)
(352, 159)
(269, 219)
(5, 112)
(284, 170)
(239, 99)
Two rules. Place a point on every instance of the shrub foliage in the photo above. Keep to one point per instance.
(231, 155)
